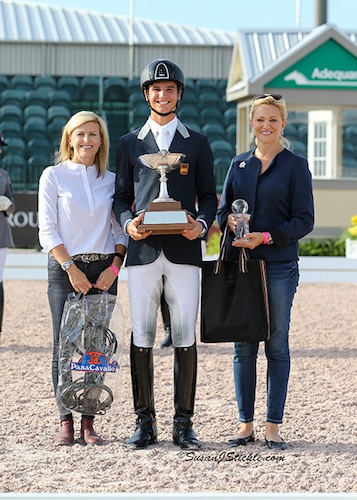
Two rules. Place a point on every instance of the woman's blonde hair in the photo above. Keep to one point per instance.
(76, 120)
(280, 104)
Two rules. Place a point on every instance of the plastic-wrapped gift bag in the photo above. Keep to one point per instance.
(90, 353)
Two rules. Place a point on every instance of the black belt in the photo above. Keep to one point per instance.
(91, 257)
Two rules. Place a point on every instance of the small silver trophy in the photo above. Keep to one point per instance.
(164, 214)
(242, 218)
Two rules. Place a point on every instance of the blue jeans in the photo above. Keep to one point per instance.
(59, 287)
(283, 278)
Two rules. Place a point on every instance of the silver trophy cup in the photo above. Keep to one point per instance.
(162, 162)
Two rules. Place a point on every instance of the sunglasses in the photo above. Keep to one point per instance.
(276, 97)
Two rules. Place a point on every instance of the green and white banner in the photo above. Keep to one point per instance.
(329, 66)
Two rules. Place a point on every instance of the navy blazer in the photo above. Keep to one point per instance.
(280, 202)
(193, 185)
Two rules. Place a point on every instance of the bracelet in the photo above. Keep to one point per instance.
(114, 269)
(266, 238)
(120, 255)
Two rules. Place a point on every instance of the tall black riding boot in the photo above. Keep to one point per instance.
(142, 379)
(185, 374)
(1, 303)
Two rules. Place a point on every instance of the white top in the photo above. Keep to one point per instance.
(75, 209)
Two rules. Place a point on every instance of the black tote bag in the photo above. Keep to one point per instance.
(234, 299)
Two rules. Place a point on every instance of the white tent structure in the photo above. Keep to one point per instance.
(39, 39)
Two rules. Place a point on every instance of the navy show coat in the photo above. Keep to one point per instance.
(193, 185)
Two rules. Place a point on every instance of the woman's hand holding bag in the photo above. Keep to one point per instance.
(234, 299)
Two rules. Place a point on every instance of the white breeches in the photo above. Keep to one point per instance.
(181, 284)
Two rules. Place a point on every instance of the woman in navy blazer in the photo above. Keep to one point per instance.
(277, 186)
(164, 262)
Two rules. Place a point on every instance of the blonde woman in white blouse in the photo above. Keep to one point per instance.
(78, 230)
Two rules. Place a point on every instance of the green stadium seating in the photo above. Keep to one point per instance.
(117, 125)
(188, 113)
(139, 114)
(214, 131)
(13, 96)
(39, 145)
(11, 112)
(35, 126)
(136, 98)
(206, 85)
(231, 133)
(222, 86)
(11, 129)
(210, 115)
(89, 88)
(290, 132)
(190, 96)
(230, 116)
(59, 98)
(35, 110)
(222, 148)
(58, 112)
(16, 165)
(134, 85)
(302, 132)
(54, 131)
(45, 83)
(221, 166)
(349, 116)
(210, 99)
(299, 148)
(22, 82)
(16, 145)
(348, 151)
(115, 90)
(194, 126)
(35, 166)
(36, 97)
(190, 85)
(5, 83)
(349, 162)
(40, 160)
(351, 133)
(69, 84)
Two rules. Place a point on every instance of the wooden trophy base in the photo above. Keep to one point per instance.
(165, 217)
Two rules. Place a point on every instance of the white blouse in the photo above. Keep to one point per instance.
(75, 209)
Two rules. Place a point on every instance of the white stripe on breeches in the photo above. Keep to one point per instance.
(181, 285)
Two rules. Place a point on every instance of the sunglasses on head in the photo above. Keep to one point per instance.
(276, 97)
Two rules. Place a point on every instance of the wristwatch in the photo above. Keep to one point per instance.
(67, 264)
(270, 240)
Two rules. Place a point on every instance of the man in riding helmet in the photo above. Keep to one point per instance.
(168, 263)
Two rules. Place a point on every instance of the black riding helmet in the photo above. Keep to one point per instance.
(161, 70)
